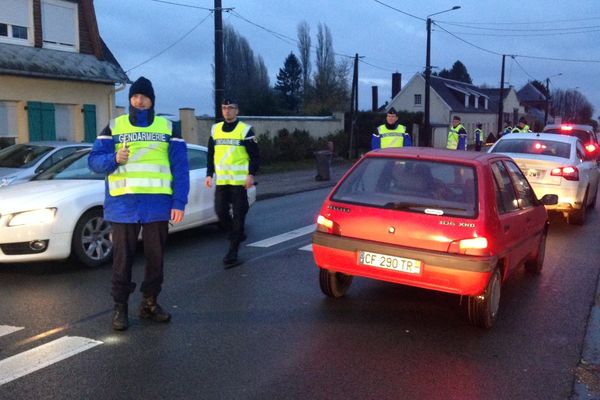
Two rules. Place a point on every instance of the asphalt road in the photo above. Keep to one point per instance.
(263, 330)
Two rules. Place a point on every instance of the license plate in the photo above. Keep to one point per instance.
(535, 174)
(399, 264)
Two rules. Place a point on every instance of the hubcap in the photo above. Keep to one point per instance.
(96, 238)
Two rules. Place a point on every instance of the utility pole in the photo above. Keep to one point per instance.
(501, 98)
(425, 139)
(353, 106)
(219, 84)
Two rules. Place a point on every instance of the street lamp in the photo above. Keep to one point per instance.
(548, 96)
(427, 131)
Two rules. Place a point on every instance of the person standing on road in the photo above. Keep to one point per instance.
(233, 156)
(457, 136)
(478, 137)
(507, 129)
(147, 185)
(522, 126)
(390, 134)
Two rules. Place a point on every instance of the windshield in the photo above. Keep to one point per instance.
(428, 187)
(533, 146)
(584, 136)
(75, 166)
(22, 155)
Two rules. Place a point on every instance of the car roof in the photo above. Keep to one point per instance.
(56, 143)
(541, 136)
(434, 154)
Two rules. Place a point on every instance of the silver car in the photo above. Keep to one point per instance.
(21, 162)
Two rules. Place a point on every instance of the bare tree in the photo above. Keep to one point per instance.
(304, 45)
(571, 106)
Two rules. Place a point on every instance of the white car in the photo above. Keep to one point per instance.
(555, 164)
(59, 213)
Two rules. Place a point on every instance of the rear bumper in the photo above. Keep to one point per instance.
(452, 273)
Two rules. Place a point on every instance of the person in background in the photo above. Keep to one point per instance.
(390, 134)
(457, 136)
(478, 137)
(521, 127)
(233, 156)
(506, 129)
(147, 185)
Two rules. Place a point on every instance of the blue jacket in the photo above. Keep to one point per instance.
(141, 208)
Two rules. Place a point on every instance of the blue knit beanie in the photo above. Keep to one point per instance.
(142, 86)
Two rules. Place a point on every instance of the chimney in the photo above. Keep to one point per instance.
(374, 95)
(396, 83)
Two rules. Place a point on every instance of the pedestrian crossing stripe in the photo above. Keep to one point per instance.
(42, 356)
(7, 329)
(272, 241)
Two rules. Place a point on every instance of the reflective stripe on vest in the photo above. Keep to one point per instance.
(391, 137)
(147, 170)
(231, 158)
(452, 143)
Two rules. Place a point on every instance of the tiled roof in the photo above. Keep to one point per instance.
(56, 64)
(446, 88)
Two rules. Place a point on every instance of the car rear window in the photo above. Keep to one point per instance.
(584, 136)
(533, 146)
(22, 155)
(411, 185)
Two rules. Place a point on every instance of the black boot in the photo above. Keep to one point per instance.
(231, 258)
(150, 309)
(120, 320)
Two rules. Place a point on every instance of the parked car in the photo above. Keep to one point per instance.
(21, 162)
(59, 213)
(556, 164)
(453, 221)
(584, 132)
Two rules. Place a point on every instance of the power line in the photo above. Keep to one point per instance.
(522, 30)
(524, 34)
(469, 43)
(173, 44)
(400, 11)
(182, 5)
(279, 36)
(522, 69)
(512, 23)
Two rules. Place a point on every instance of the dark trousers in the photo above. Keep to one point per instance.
(231, 206)
(124, 239)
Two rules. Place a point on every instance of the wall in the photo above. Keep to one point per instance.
(73, 94)
(197, 129)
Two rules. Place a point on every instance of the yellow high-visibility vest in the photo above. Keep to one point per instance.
(391, 137)
(148, 170)
(231, 158)
(452, 143)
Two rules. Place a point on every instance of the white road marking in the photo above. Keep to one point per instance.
(284, 237)
(7, 329)
(42, 356)
(308, 247)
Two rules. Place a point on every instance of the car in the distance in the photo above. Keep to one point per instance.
(21, 162)
(453, 221)
(59, 214)
(556, 164)
(584, 132)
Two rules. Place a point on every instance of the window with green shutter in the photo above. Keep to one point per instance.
(89, 122)
(41, 121)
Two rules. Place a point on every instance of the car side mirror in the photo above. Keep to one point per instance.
(549, 199)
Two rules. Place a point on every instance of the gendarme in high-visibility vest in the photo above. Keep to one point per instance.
(148, 170)
(391, 137)
(452, 143)
(231, 158)
(524, 129)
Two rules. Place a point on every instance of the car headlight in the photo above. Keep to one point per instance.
(41, 216)
(6, 180)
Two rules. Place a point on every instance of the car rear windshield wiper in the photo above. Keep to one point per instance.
(407, 206)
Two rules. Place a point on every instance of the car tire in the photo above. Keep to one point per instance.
(577, 217)
(334, 284)
(535, 264)
(482, 310)
(92, 239)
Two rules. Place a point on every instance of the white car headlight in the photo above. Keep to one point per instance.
(41, 216)
(6, 180)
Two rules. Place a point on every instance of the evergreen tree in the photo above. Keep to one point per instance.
(289, 83)
(458, 72)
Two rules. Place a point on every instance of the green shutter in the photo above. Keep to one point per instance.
(89, 122)
(34, 117)
(48, 122)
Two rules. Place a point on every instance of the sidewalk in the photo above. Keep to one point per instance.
(283, 183)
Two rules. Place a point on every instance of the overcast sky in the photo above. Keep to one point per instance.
(389, 34)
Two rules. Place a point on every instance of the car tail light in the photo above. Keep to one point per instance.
(566, 128)
(569, 173)
(328, 226)
(591, 147)
(477, 246)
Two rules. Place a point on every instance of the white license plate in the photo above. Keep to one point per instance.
(535, 174)
(399, 264)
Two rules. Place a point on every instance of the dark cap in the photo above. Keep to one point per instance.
(142, 86)
(456, 117)
(392, 110)
(228, 101)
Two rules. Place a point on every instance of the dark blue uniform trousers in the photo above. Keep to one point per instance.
(231, 206)
(124, 239)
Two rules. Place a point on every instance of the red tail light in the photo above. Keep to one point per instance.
(477, 246)
(569, 173)
(591, 147)
(566, 128)
(328, 226)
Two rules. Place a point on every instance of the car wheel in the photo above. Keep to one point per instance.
(92, 239)
(483, 309)
(534, 265)
(577, 217)
(334, 284)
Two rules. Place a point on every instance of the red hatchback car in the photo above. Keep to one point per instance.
(453, 221)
